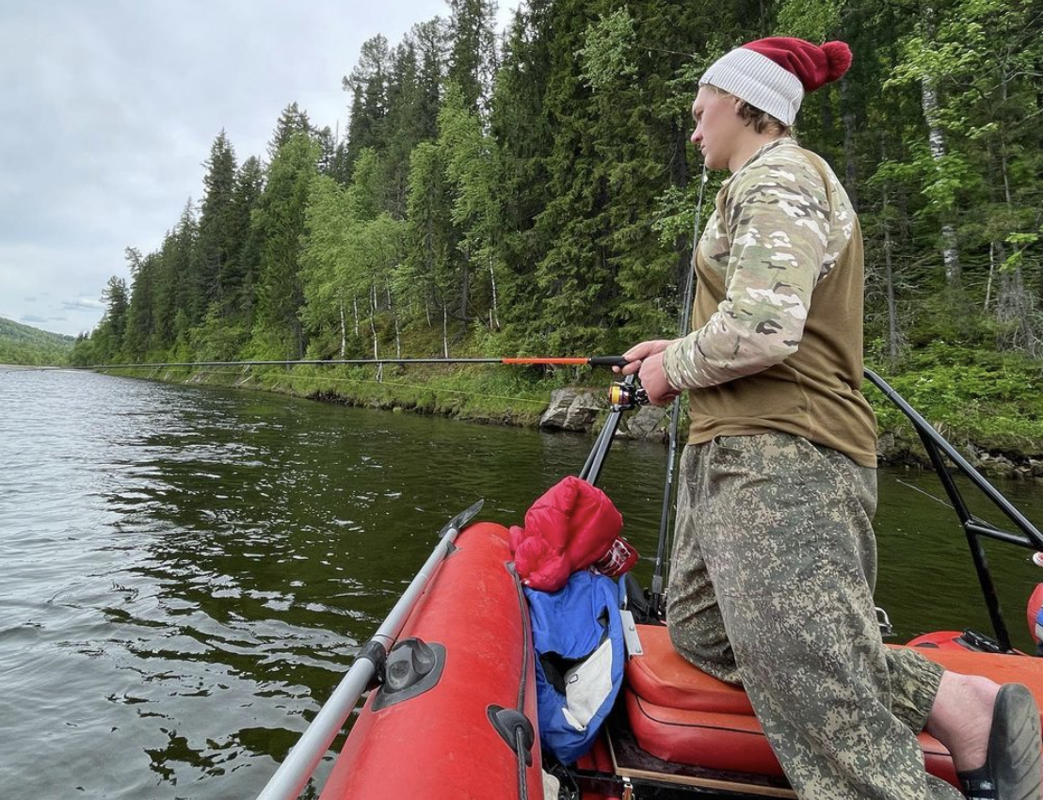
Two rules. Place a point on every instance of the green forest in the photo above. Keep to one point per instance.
(22, 344)
(534, 193)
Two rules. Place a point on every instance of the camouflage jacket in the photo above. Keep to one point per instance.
(772, 238)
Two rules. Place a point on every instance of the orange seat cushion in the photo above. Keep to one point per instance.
(679, 713)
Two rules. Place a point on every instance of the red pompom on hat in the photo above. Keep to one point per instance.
(773, 74)
(813, 65)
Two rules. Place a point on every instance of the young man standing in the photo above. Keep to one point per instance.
(775, 559)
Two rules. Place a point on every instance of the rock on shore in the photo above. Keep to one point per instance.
(576, 410)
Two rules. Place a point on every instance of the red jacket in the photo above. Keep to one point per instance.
(571, 526)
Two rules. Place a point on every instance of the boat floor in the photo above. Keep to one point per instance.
(622, 762)
(631, 762)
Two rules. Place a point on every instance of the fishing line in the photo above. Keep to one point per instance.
(924, 493)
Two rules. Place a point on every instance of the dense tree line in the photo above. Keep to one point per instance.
(534, 193)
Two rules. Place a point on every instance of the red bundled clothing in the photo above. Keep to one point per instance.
(572, 526)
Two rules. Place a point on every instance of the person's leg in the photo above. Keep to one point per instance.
(961, 711)
(693, 617)
(786, 541)
(955, 709)
(993, 733)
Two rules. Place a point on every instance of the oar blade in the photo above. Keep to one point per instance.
(460, 520)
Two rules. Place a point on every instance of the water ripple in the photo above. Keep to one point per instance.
(188, 572)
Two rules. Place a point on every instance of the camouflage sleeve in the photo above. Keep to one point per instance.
(777, 221)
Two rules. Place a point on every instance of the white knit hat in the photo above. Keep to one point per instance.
(772, 74)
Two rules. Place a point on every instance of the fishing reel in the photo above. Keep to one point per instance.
(624, 396)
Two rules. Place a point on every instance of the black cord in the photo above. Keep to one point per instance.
(519, 734)
(519, 741)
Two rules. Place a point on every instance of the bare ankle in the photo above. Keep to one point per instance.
(961, 718)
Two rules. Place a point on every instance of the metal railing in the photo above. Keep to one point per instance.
(1026, 535)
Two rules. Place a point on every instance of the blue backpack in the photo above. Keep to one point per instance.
(578, 637)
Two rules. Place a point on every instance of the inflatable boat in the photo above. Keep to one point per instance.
(451, 710)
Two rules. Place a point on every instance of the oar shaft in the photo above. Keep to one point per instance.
(293, 773)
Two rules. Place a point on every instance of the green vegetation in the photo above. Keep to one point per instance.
(21, 344)
(988, 399)
(486, 393)
(534, 196)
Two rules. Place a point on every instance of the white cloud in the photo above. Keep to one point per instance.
(88, 304)
(110, 110)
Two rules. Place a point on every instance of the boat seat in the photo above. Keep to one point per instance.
(680, 714)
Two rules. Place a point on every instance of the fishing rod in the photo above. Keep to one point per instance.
(593, 361)
(656, 593)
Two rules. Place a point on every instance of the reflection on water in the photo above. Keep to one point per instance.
(188, 572)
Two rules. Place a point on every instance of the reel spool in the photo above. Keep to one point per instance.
(624, 397)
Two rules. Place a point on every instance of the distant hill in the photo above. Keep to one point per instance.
(22, 344)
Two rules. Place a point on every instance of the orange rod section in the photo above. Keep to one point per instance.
(577, 361)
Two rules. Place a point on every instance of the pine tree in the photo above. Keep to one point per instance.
(368, 86)
(277, 330)
(472, 57)
(217, 243)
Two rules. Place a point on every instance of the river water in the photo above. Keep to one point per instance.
(187, 572)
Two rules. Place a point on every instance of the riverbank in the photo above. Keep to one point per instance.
(992, 429)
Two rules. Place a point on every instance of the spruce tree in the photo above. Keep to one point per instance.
(368, 86)
(428, 269)
(181, 267)
(277, 330)
(140, 332)
(241, 275)
(472, 56)
(216, 243)
(292, 121)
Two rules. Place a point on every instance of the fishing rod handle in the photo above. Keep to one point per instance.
(608, 361)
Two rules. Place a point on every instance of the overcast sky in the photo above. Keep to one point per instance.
(110, 108)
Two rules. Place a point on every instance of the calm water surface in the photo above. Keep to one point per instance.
(187, 572)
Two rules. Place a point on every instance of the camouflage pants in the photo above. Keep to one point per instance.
(771, 586)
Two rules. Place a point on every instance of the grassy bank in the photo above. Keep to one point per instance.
(485, 393)
(982, 401)
(977, 400)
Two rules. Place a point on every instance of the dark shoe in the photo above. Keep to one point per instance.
(1014, 766)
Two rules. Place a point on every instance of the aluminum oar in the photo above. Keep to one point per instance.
(300, 763)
